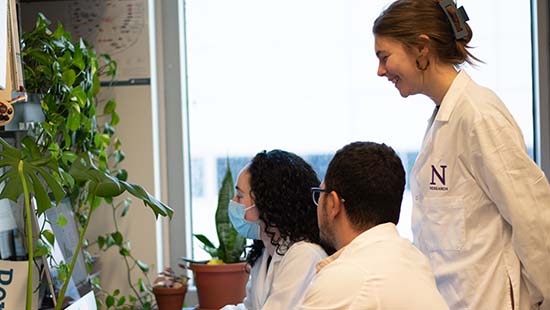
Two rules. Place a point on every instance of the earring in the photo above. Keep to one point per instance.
(424, 67)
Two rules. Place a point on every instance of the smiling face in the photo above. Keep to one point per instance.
(398, 63)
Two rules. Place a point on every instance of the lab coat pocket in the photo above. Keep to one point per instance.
(443, 225)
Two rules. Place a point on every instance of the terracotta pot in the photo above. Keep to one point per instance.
(170, 298)
(220, 285)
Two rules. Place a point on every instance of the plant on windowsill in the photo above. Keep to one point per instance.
(226, 265)
(169, 289)
(74, 153)
(231, 244)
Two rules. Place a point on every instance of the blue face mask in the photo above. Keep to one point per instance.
(245, 228)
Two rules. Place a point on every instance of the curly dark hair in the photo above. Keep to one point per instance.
(280, 184)
(371, 179)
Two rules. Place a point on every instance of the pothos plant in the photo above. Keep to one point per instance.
(74, 152)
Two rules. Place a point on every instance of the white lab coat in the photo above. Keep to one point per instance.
(376, 270)
(481, 206)
(282, 284)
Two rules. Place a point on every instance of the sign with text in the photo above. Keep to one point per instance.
(13, 284)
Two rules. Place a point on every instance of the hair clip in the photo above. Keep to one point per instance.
(457, 17)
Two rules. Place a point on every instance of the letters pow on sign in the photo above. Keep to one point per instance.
(13, 282)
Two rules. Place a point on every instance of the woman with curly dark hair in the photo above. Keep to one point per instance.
(273, 206)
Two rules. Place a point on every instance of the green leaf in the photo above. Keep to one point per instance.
(79, 95)
(117, 237)
(95, 203)
(207, 245)
(110, 241)
(53, 148)
(43, 202)
(78, 61)
(73, 121)
(205, 241)
(59, 31)
(96, 283)
(126, 203)
(31, 149)
(67, 178)
(106, 186)
(232, 244)
(119, 156)
(121, 301)
(158, 207)
(96, 85)
(143, 266)
(115, 119)
(105, 139)
(40, 57)
(141, 285)
(68, 157)
(124, 252)
(122, 175)
(61, 220)
(109, 107)
(109, 301)
(69, 76)
(63, 271)
(50, 237)
(100, 241)
(40, 248)
(97, 141)
(53, 184)
(13, 188)
(8, 151)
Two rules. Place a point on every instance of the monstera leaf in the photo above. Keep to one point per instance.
(25, 172)
(37, 171)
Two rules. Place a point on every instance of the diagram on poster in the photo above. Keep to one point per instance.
(115, 27)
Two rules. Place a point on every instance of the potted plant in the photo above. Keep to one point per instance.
(73, 153)
(169, 289)
(226, 265)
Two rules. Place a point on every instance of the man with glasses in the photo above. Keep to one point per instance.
(358, 207)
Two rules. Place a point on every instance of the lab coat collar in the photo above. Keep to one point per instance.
(268, 278)
(375, 234)
(450, 99)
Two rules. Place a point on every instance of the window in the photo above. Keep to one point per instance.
(301, 76)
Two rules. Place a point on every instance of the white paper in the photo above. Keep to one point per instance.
(3, 42)
(7, 221)
(85, 303)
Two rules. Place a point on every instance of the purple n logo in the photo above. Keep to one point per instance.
(441, 176)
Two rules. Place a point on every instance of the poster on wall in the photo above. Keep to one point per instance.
(115, 27)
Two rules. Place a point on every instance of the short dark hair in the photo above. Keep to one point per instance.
(371, 179)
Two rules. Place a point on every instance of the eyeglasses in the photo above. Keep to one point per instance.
(316, 194)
